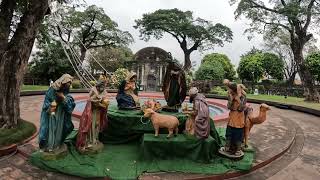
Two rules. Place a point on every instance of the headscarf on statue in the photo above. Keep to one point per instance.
(174, 85)
(62, 80)
(124, 99)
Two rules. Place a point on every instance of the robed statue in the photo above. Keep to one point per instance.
(93, 119)
(55, 122)
(174, 85)
(127, 96)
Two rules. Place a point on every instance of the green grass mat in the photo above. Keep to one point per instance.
(23, 131)
(123, 162)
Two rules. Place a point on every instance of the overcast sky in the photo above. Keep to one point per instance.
(124, 12)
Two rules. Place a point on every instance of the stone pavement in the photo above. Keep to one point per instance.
(302, 161)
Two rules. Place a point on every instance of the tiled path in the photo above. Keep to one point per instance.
(302, 161)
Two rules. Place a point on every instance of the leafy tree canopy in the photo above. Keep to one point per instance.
(87, 29)
(211, 70)
(268, 16)
(273, 66)
(50, 63)
(191, 33)
(229, 71)
(313, 63)
(253, 66)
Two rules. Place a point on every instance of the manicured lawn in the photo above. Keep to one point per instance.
(23, 131)
(34, 88)
(288, 100)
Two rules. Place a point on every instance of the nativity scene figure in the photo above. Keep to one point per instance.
(93, 119)
(55, 121)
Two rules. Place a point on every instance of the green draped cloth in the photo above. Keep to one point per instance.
(126, 155)
(128, 126)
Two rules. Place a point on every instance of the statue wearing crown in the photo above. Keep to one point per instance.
(93, 120)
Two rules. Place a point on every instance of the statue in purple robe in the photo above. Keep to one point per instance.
(200, 114)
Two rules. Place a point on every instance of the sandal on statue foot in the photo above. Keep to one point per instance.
(239, 153)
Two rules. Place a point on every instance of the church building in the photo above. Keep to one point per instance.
(150, 66)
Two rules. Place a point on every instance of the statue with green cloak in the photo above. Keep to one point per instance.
(55, 122)
(174, 86)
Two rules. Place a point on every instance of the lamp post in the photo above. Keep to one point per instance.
(252, 81)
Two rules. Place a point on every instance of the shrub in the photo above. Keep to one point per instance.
(260, 88)
(76, 84)
(219, 91)
(92, 83)
(313, 64)
(118, 76)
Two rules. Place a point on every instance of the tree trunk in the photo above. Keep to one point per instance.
(291, 79)
(11, 77)
(13, 62)
(83, 52)
(187, 62)
(310, 91)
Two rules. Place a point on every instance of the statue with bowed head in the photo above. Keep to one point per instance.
(55, 121)
(198, 123)
(127, 96)
(93, 120)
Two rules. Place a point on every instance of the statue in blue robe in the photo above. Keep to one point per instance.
(55, 122)
(127, 96)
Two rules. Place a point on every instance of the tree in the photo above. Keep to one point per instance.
(295, 17)
(273, 66)
(251, 67)
(211, 70)
(110, 58)
(254, 65)
(313, 63)
(192, 34)
(279, 43)
(228, 68)
(17, 37)
(88, 29)
(50, 62)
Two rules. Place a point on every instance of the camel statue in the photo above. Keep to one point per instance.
(254, 118)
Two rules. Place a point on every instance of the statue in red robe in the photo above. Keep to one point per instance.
(93, 119)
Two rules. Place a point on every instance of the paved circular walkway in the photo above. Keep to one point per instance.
(301, 161)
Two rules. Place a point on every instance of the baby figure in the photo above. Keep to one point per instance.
(240, 90)
(53, 107)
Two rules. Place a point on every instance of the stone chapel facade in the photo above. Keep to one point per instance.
(150, 66)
